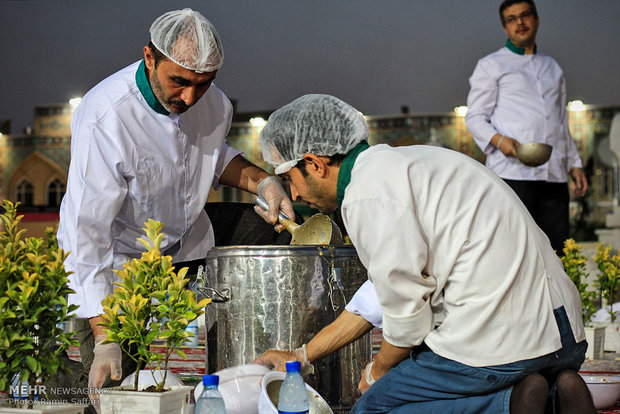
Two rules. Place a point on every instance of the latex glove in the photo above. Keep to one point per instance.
(272, 192)
(107, 363)
(276, 359)
(367, 379)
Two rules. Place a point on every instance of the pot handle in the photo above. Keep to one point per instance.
(215, 295)
(335, 284)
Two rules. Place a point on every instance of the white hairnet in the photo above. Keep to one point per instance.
(187, 38)
(315, 124)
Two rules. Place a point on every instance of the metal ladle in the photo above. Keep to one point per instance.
(318, 229)
(534, 153)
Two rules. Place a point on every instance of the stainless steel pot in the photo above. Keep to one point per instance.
(280, 297)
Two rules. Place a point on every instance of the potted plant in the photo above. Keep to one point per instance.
(574, 262)
(33, 305)
(608, 282)
(150, 302)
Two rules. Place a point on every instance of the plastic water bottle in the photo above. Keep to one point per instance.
(210, 401)
(21, 391)
(293, 397)
(192, 342)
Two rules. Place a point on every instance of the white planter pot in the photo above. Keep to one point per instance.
(612, 335)
(595, 335)
(45, 409)
(120, 401)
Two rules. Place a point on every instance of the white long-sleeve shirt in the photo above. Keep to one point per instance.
(365, 303)
(130, 163)
(522, 97)
(443, 236)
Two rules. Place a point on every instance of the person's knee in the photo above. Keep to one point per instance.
(529, 395)
(573, 392)
(570, 382)
(534, 384)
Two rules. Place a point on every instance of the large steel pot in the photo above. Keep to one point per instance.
(280, 297)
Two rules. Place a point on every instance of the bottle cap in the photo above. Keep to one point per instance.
(293, 366)
(210, 380)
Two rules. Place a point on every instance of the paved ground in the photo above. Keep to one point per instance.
(609, 363)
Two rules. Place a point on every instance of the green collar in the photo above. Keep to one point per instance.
(515, 49)
(344, 175)
(145, 88)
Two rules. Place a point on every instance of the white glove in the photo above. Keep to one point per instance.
(107, 363)
(276, 359)
(272, 192)
(369, 378)
(302, 355)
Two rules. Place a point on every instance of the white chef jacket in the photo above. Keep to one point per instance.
(523, 97)
(130, 163)
(439, 233)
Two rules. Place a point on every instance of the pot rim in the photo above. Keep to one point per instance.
(283, 250)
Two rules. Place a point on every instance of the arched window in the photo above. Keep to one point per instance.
(55, 191)
(23, 193)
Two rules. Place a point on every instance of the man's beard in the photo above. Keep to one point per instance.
(317, 193)
(158, 91)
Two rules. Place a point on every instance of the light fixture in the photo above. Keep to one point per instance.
(575, 106)
(460, 110)
(258, 121)
(74, 102)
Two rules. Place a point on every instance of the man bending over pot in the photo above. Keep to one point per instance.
(443, 239)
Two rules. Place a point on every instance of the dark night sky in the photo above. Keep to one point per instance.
(375, 54)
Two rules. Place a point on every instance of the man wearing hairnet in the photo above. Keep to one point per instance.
(478, 314)
(149, 142)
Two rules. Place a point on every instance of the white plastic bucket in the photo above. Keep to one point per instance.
(240, 388)
(269, 395)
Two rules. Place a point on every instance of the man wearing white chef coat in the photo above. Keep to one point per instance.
(149, 142)
(518, 95)
(443, 239)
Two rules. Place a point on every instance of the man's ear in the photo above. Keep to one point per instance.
(316, 165)
(149, 58)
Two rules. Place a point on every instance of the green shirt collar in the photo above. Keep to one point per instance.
(145, 89)
(344, 175)
(515, 49)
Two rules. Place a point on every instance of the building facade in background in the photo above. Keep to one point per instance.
(34, 165)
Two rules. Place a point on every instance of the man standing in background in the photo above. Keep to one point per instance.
(519, 95)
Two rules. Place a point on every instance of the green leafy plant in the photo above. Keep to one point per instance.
(609, 275)
(574, 262)
(151, 302)
(33, 305)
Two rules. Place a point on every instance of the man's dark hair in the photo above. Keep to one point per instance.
(507, 3)
(157, 54)
(333, 160)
